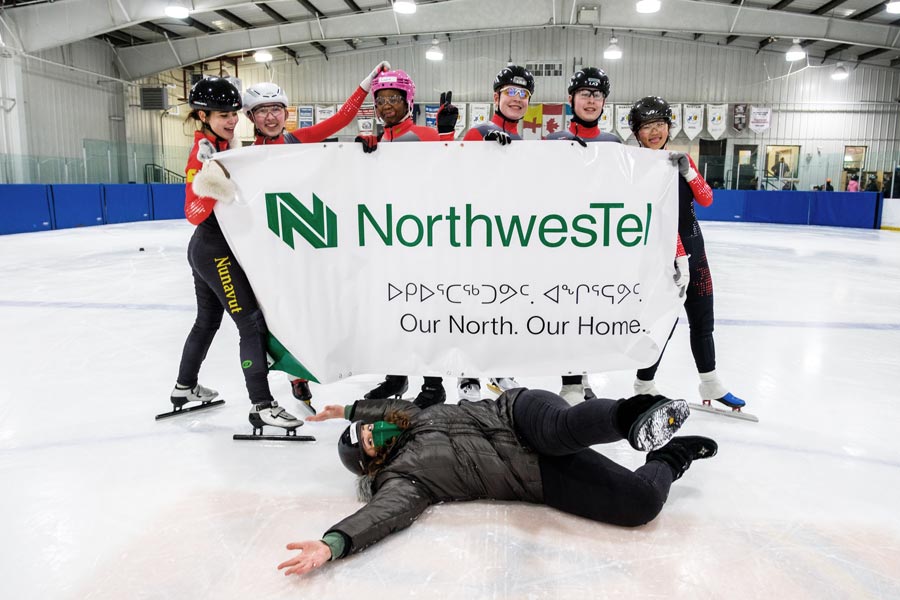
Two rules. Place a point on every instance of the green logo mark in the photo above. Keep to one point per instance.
(247, 364)
(287, 215)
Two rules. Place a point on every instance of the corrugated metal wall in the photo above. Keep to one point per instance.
(810, 110)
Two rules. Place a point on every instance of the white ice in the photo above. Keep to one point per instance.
(99, 501)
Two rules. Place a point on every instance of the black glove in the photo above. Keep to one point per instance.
(583, 143)
(447, 114)
(369, 142)
(501, 137)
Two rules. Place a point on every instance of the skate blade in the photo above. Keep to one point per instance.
(274, 438)
(182, 411)
(734, 414)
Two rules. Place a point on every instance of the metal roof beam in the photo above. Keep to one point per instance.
(272, 13)
(827, 7)
(227, 14)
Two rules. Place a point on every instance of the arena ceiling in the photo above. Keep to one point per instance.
(148, 42)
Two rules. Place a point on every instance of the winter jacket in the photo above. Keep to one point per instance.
(467, 451)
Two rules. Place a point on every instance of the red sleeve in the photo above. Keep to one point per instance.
(703, 194)
(335, 123)
(679, 248)
(196, 209)
(473, 135)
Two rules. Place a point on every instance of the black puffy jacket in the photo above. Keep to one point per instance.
(467, 451)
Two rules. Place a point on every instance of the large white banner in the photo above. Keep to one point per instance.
(427, 272)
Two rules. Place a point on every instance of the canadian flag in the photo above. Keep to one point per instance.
(552, 119)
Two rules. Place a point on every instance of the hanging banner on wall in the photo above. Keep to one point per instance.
(481, 114)
(305, 116)
(606, 119)
(622, 127)
(423, 268)
(460, 121)
(365, 119)
(715, 119)
(552, 119)
(290, 119)
(760, 118)
(431, 115)
(324, 111)
(693, 120)
(739, 117)
(531, 122)
(675, 129)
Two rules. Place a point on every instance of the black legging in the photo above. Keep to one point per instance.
(581, 481)
(699, 309)
(220, 284)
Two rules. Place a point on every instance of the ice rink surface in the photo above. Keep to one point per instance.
(99, 501)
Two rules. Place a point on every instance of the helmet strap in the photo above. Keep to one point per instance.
(582, 122)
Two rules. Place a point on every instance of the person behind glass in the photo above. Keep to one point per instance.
(513, 88)
(265, 104)
(650, 119)
(220, 283)
(395, 94)
(853, 184)
(828, 187)
(526, 446)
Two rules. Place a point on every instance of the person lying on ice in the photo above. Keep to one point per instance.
(527, 445)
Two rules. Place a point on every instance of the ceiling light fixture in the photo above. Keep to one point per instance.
(795, 52)
(647, 6)
(404, 7)
(840, 72)
(435, 52)
(893, 8)
(262, 56)
(177, 11)
(612, 52)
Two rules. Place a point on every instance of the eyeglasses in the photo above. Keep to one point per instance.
(512, 92)
(587, 94)
(265, 111)
(654, 126)
(382, 100)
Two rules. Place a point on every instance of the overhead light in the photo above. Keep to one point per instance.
(840, 72)
(893, 7)
(795, 52)
(435, 52)
(647, 6)
(177, 11)
(262, 56)
(612, 52)
(404, 7)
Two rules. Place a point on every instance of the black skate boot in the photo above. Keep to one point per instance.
(649, 422)
(432, 393)
(682, 450)
(393, 386)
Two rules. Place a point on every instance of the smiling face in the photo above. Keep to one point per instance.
(269, 119)
(653, 135)
(366, 441)
(513, 101)
(390, 106)
(222, 123)
(588, 103)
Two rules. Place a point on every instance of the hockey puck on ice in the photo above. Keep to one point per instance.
(140, 249)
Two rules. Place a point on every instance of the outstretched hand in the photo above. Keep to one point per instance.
(447, 114)
(332, 411)
(313, 554)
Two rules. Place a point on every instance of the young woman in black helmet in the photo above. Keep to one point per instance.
(588, 91)
(650, 119)
(528, 445)
(513, 87)
(220, 283)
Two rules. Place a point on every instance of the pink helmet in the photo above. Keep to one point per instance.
(395, 80)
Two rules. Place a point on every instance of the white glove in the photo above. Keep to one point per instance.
(682, 274)
(213, 181)
(366, 84)
(680, 160)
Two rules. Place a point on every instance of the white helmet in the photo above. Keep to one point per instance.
(263, 93)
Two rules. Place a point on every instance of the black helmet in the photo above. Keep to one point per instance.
(651, 108)
(214, 93)
(351, 451)
(514, 75)
(591, 78)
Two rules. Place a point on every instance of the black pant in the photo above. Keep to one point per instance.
(699, 308)
(220, 285)
(581, 481)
